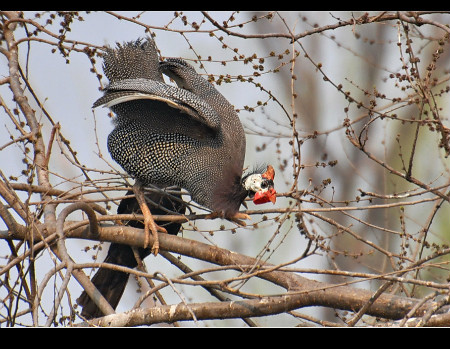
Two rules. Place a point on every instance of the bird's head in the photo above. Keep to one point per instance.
(260, 186)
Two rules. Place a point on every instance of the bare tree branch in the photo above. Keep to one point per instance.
(351, 107)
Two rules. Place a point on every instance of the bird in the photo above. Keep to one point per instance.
(111, 283)
(184, 133)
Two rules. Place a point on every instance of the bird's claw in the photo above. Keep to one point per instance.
(236, 218)
(151, 228)
(212, 215)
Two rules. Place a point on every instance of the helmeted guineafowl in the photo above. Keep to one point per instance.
(187, 135)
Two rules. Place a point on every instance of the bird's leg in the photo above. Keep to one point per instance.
(150, 227)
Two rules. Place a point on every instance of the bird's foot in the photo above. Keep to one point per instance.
(236, 218)
(213, 215)
(150, 227)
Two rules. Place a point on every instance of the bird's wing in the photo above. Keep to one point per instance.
(181, 99)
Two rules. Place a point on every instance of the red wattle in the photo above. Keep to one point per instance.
(265, 196)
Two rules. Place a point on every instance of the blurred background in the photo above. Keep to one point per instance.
(383, 84)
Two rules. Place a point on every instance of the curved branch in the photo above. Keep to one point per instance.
(62, 254)
(303, 291)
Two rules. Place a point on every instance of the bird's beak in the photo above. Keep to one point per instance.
(262, 197)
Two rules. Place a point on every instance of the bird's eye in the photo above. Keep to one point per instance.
(264, 185)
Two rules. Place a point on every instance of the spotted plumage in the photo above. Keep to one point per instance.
(187, 135)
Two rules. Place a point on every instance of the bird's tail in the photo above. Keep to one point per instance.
(133, 60)
(111, 283)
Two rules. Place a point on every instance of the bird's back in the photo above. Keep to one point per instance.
(172, 136)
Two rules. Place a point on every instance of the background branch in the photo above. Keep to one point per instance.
(352, 111)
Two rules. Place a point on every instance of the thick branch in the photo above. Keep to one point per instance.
(302, 291)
